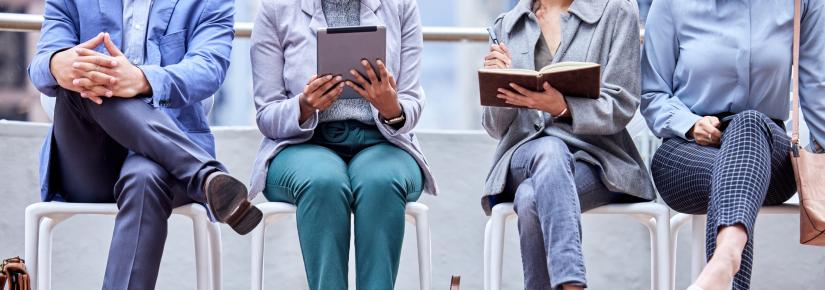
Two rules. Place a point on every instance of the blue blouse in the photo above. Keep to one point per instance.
(705, 58)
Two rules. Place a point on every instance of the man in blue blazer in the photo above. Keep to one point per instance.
(129, 78)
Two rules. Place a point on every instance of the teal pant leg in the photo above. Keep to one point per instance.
(315, 180)
(383, 178)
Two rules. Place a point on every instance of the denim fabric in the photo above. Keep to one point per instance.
(551, 191)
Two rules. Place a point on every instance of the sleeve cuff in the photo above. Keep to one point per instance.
(156, 77)
(310, 124)
(680, 123)
(408, 123)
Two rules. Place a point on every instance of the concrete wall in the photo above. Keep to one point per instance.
(616, 248)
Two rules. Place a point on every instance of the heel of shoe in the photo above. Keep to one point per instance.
(245, 219)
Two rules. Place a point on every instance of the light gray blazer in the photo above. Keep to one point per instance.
(601, 31)
(284, 58)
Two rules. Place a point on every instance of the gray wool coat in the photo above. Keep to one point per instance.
(600, 31)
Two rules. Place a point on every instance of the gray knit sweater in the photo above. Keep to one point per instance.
(345, 13)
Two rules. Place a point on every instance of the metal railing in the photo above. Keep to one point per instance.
(32, 23)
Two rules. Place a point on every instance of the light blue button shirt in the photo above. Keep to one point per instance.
(135, 20)
(710, 57)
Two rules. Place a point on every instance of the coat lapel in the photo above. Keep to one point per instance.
(312, 8)
(111, 20)
(368, 9)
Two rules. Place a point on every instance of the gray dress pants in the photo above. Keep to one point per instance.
(552, 189)
(126, 151)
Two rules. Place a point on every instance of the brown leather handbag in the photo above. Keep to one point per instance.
(809, 168)
(13, 272)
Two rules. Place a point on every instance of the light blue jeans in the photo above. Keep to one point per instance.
(551, 190)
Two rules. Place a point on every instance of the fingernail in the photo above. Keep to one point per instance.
(75, 82)
(500, 96)
(512, 84)
(500, 90)
(83, 95)
(338, 78)
(352, 72)
(75, 65)
(364, 62)
(379, 61)
(109, 94)
(329, 77)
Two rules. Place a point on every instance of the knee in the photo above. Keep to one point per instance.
(524, 203)
(749, 120)
(324, 189)
(550, 152)
(379, 187)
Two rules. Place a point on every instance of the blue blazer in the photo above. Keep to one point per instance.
(188, 47)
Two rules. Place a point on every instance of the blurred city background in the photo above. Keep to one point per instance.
(448, 75)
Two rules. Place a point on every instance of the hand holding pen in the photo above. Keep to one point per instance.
(499, 56)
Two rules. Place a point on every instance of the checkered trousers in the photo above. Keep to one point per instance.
(751, 168)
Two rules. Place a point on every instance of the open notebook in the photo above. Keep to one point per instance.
(574, 79)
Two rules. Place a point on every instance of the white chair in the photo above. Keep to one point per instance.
(652, 215)
(698, 258)
(41, 218)
(416, 213)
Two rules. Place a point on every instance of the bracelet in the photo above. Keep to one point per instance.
(560, 114)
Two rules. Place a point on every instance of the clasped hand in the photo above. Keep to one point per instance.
(550, 100)
(95, 75)
(377, 88)
(706, 131)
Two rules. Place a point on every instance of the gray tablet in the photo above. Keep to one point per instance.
(341, 49)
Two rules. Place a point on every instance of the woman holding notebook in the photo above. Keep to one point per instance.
(340, 158)
(716, 79)
(561, 155)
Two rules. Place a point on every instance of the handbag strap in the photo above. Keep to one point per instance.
(797, 23)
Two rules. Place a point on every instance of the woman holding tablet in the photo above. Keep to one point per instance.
(716, 79)
(336, 158)
(561, 155)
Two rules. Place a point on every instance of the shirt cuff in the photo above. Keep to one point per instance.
(157, 79)
(681, 122)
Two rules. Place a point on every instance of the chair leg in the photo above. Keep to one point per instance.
(698, 258)
(676, 224)
(650, 225)
(44, 250)
(422, 229)
(215, 265)
(32, 237)
(199, 224)
(663, 250)
(496, 249)
(486, 250)
(257, 255)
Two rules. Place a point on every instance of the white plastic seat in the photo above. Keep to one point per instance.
(416, 214)
(655, 217)
(698, 258)
(41, 219)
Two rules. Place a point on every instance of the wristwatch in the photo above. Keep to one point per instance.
(394, 122)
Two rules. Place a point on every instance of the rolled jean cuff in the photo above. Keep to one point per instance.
(571, 280)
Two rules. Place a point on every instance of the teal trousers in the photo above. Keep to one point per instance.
(347, 170)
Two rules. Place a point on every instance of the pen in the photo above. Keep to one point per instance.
(493, 36)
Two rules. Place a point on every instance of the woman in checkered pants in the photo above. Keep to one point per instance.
(715, 79)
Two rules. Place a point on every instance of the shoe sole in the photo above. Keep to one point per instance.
(226, 197)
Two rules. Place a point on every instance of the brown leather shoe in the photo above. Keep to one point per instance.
(226, 197)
